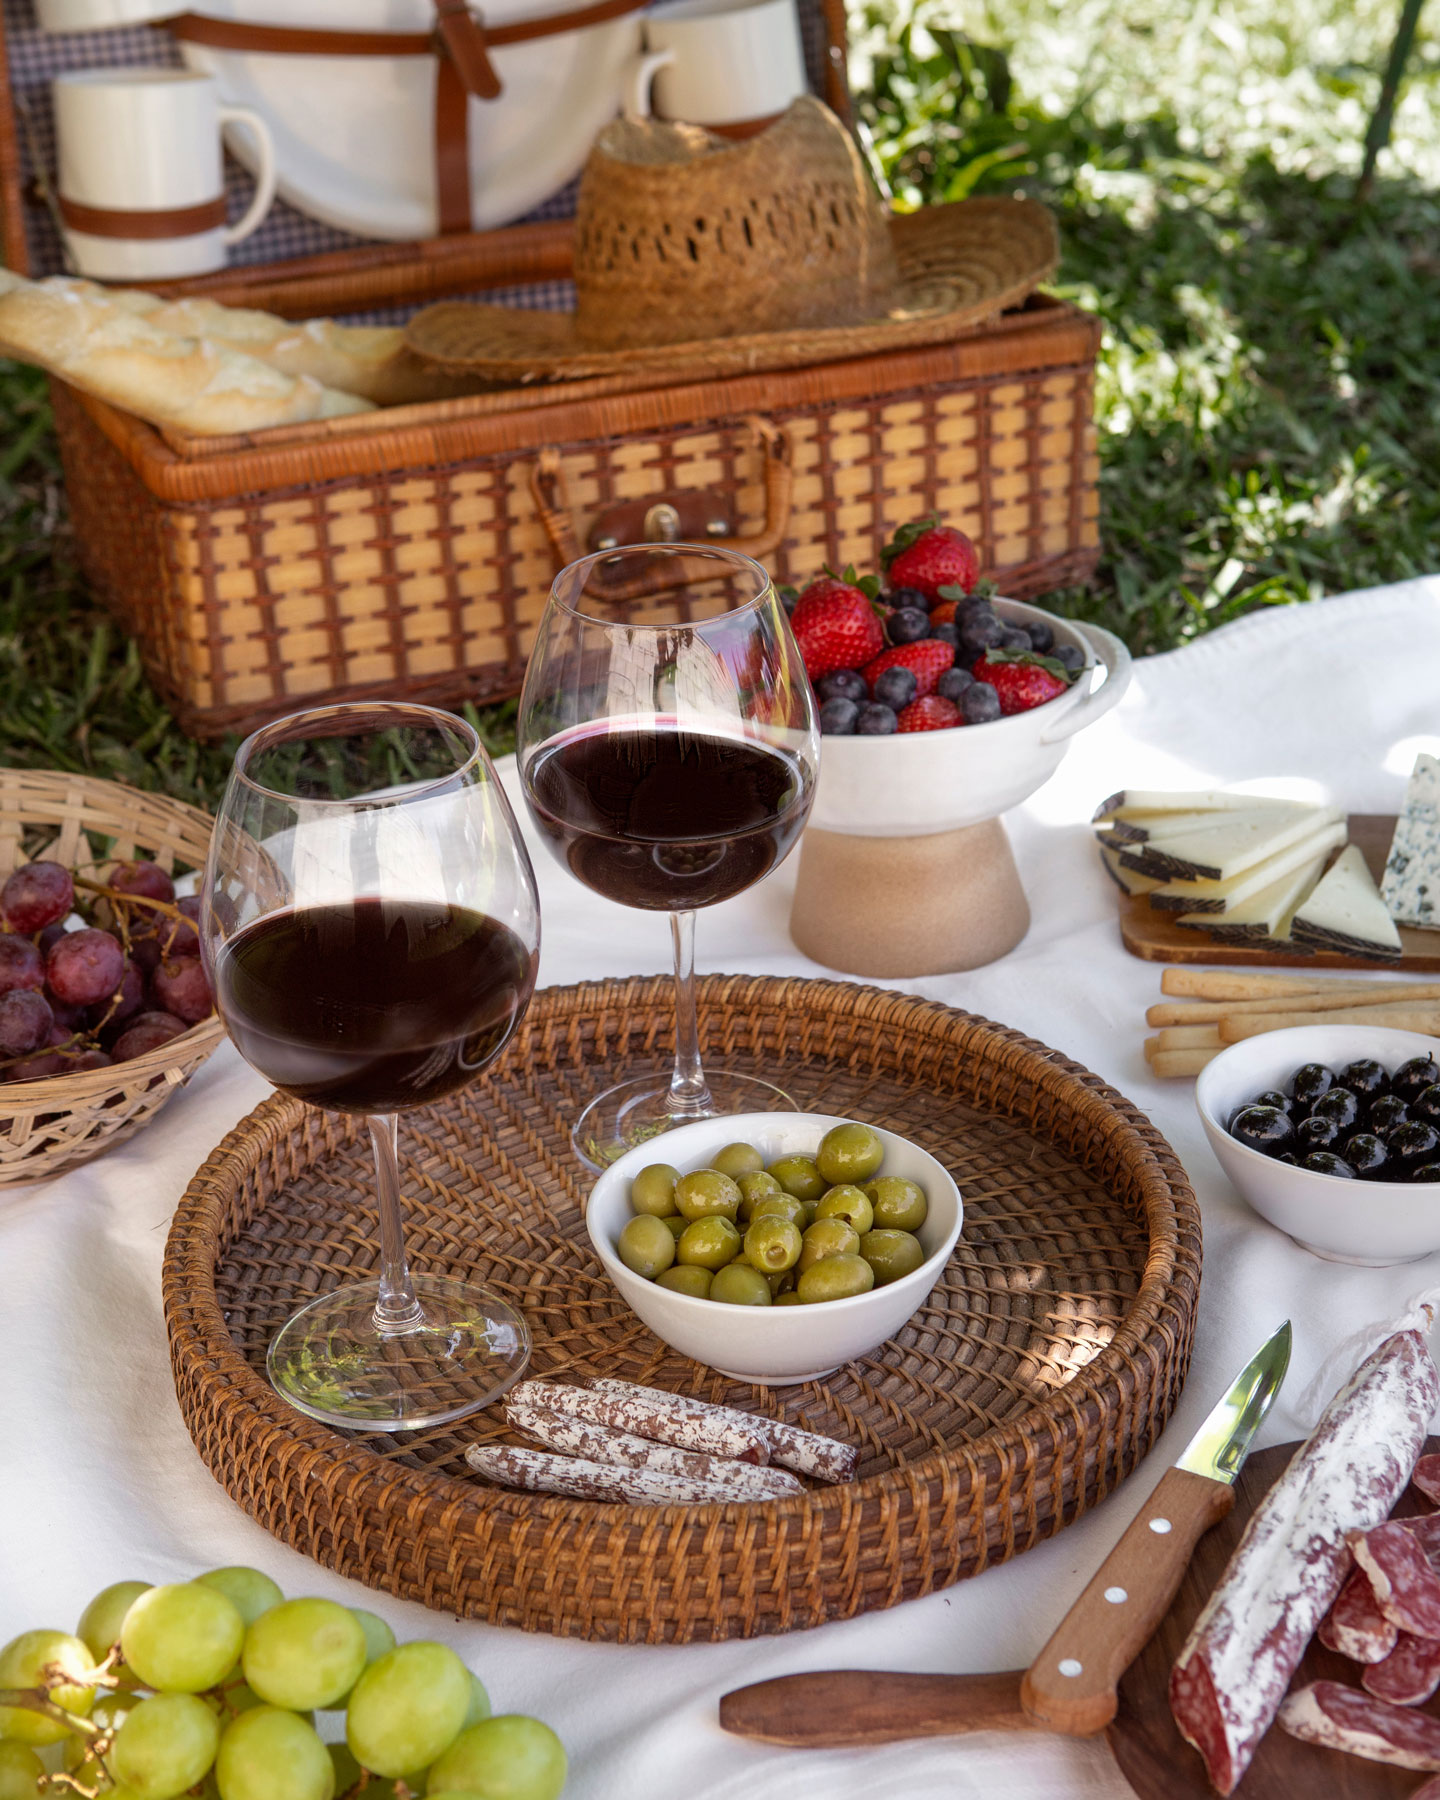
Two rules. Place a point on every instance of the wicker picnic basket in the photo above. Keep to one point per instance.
(1033, 1379)
(46, 1126)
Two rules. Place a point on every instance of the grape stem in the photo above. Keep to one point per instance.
(119, 896)
(37, 1700)
(75, 1038)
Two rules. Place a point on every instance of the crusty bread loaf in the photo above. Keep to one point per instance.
(109, 348)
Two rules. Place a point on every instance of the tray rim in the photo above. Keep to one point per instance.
(1046, 1431)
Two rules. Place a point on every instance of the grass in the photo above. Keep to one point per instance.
(1269, 396)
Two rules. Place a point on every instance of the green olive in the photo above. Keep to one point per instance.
(755, 1187)
(653, 1190)
(782, 1282)
(835, 1278)
(779, 1206)
(711, 1243)
(799, 1176)
(846, 1202)
(736, 1160)
(772, 1244)
(899, 1204)
(791, 1297)
(849, 1153)
(739, 1285)
(706, 1193)
(646, 1246)
(677, 1223)
(687, 1278)
(826, 1238)
(891, 1254)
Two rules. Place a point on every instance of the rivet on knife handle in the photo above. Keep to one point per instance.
(1071, 1685)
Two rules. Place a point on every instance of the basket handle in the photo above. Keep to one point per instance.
(1114, 658)
(547, 485)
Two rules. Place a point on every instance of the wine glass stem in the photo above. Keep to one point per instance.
(689, 1096)
(398, 1311)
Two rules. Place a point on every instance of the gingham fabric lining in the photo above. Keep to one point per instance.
(36, 57)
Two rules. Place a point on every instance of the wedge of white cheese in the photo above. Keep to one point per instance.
(1346, 913)
(1265, 917)
(1410, 886)
(1126, 878)
(1218, 855)
(1130, 801)
(1225, 895)
(1158, 828)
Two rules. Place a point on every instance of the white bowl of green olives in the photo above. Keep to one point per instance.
(904, 1199)
(1370, 1210)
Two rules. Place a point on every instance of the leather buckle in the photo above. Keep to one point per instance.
(460, 36)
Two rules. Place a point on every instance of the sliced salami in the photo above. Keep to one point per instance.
(823, 1458)
(1427, 1478)
(1355, 1625)
(602, 1443)
(541, 1473)
(1342, 1718)
(1409, 1675)
(716, 1430)
(1429, 1790)
(1406, 1587)
(1426, 1527)
(1236, 1664)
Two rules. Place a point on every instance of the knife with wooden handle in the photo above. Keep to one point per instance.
(1071, 1686)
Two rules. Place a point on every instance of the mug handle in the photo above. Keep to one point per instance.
(265, 177)
(642, 72)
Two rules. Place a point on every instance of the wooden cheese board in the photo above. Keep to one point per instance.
(1155, 937)
(1156, 1760)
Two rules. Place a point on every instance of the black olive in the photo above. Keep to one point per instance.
(1368, 1157)
(1273, 1097)
(1386, 1113)
(1426, 1172)
(1426, 1104)
(1411, 1145)
(1309, 1082)
(1326, 1162)
(1263, 1128)
(1366, 1079)
(1411, 1077)
(1317, 1134)
(1340, 1105)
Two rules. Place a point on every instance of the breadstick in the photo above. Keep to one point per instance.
(1235, 1027)
(1187, 1037)
(1178, 1063)
(823, 1458)
(1224, 984)
(538, 1472)
(648, 1413)
(602, 1443)
(1375, 993)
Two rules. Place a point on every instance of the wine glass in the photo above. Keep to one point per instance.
(668, 749)
(370, 927)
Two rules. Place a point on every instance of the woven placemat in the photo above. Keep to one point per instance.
(1036, 1376)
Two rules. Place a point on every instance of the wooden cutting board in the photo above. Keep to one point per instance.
(1156, 1760)
(1155, 937)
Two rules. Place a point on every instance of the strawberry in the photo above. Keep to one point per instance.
(944, 613)
(927, 661)
(930, 714)
(928, 555)
(836, 625)
(1021, 678)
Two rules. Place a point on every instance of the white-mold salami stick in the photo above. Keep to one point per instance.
(714, 1430)
(1355, 1626)
(1427, 1478)
(1406, 1586)
(823, 1458)
(602, 1443)
(540, 1472)
(1409, 1675)
(1342, 1718)
(1235, 1666)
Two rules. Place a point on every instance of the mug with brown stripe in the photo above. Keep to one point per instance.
(732, 68)
(141, 182)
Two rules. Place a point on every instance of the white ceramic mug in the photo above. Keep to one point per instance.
(142, 185)
(99, 15)
(712, 62)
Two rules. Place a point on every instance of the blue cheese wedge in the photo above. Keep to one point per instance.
(1346, 913)
(1411, 883)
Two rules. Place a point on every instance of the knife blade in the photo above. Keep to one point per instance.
(1071, 1686)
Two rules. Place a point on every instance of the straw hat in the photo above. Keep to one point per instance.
(695, 252)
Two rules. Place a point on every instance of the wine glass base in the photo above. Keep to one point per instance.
(637, 1110)
(331, 1362)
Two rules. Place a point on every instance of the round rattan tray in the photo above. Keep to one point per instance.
(1036, 1376)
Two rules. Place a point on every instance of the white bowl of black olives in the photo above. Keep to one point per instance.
(819, 1237)
(1332, 1133)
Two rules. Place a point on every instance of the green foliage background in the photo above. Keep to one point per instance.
(1269, 403)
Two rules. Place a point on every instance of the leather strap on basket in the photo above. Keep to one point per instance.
(547, 486)
(461, 45)
(153, 222)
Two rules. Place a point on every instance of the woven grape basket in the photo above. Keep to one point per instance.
(46, 1126)
(1034, 1378)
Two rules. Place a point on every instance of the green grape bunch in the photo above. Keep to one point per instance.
(211, 1688)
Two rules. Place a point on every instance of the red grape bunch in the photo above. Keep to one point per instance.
(85, 995)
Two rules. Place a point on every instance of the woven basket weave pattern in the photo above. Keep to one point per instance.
(1036, 1376)
(47, 1126)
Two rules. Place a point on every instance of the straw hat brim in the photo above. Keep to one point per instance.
(960, 265)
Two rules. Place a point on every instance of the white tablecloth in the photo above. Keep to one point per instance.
(99, 1480)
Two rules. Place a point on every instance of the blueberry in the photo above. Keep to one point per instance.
(1411, 1077)
(1263, 1128)
(908, 596)
(876, 721)
(1042, 636)
(1070, 657)
(979, 633)
(1317, 1134)
(907, 626)
(953, 683)
(1387, 1114)
(837, 718)
(1015, 638)
(1367, 1156)
(895, 688)
(1340, 1105)
(979, 703)
(1326, 1162)
(1426, 1104)
(947, 634)
(844, 684)
(1309, 1082)
(788, 597)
